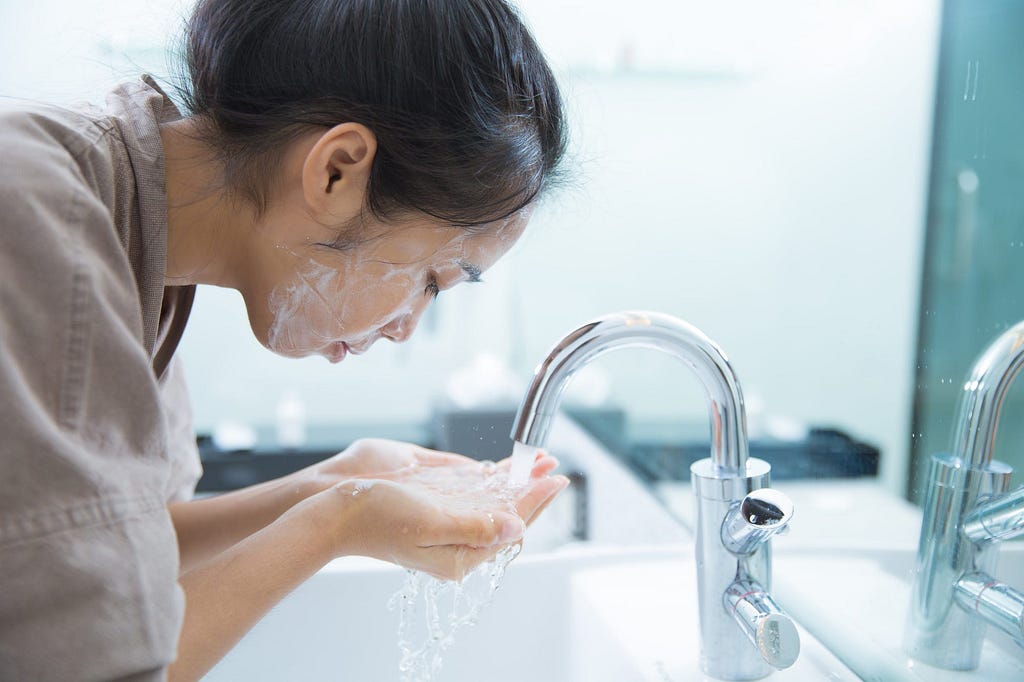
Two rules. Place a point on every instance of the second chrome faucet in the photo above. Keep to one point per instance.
(967, 511)
(737, 513)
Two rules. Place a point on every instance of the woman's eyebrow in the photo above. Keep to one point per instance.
(472, 271)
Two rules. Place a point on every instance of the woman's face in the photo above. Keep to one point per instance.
(314, 299)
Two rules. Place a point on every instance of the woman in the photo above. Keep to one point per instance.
(343, 162)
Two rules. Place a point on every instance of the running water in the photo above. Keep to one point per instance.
(432, 610)
(523, 457)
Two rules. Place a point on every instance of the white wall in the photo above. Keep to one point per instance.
(71, 50)
(758, 169)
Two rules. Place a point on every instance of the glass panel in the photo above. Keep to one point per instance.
(973, 286)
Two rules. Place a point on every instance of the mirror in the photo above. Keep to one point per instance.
(972, 284)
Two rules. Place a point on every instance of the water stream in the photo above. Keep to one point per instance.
(431, 611)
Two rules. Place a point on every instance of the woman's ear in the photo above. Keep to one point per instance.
(336, 172)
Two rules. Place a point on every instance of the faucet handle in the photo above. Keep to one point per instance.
(754, 519)
(1000, 604)
(769, 629)
(997, 518)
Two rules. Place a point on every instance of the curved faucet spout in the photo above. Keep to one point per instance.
(984, 390)
(727, 548)
(648, 330)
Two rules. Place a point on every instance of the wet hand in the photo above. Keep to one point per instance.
(395, 460)
(435, 512)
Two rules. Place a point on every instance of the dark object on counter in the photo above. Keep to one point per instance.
(486, 433)
(224, 471)
(825, 453)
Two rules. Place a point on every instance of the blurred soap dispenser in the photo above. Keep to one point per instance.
(290, 421)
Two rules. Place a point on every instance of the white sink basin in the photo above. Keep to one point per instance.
(639, 622)
(856, 601)
(337, 626)
(582, 614)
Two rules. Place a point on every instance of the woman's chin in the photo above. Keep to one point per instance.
(292, 352)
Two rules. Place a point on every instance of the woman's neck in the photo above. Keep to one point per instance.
(204, 222)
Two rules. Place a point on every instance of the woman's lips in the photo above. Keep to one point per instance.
(337, 351)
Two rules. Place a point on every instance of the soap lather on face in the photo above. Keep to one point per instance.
(340, 302)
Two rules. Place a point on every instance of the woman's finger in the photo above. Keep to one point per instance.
(476, 529)
(506, 462)
(454, 562)
(544, 466)
(539, 492)
(563, 484)
(440, 458)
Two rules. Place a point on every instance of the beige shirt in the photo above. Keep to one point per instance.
(95, 429)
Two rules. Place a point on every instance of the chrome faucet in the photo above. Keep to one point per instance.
(736, 512)
(967, 511)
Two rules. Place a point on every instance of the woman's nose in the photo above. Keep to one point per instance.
(402, 326)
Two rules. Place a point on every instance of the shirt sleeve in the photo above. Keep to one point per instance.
(186, 467)
(88, 553)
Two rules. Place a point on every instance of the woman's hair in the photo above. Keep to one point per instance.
(467, 114)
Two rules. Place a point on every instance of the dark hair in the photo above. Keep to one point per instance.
(467, 114)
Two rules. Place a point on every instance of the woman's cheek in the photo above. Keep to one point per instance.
(294, 333)
(302, 320)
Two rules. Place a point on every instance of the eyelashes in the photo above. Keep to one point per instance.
(432, 289)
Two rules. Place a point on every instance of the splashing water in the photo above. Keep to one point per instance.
(432, 610)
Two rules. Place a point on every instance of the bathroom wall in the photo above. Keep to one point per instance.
(758, 169)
